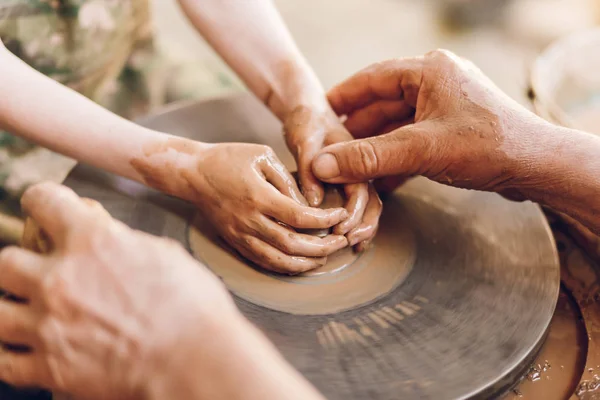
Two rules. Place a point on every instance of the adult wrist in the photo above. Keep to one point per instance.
(530, 157)
(231, 360)
(187, 367)
(560, 169)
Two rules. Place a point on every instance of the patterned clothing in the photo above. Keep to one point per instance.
(103, 49)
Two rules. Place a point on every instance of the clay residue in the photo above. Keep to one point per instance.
(160, 173)
(345, 282)
(180, 145)
(556, 372)
(332, 198)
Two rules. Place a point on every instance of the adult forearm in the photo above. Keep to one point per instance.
(230, 360)
(252, 38)
(563, 173)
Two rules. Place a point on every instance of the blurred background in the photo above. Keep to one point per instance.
(339, 37)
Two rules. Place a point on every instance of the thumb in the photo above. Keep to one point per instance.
(395, 153)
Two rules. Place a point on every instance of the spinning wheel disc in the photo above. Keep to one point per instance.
(453, 300)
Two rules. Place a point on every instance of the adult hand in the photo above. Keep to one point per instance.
(250, 198)
(306, 132)
(100, 314)
(436, 116)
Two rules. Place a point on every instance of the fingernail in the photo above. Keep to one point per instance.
(345, 214)
(343, 242)
(326, 166)
(313, 198)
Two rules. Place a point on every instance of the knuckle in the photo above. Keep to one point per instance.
(9, 256)
(56, 290)
(441, 54)
(297, 219)
(287, 244)
(230, 233)
(377, 66)
(237, 240)
(266, 150)
(46, 331)
(368, 164)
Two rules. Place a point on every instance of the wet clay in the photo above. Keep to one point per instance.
(582, 277)
(556, 372)
(332, 198)
(329, 289)
(569, 363)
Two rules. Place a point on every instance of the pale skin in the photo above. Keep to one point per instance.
(252, 38)
(93, 305)
(283, 80)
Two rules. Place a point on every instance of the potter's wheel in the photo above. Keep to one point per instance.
(470, 289)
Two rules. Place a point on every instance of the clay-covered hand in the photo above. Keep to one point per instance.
(103, 310)
(307, 131)
(249, 196)
(436, 116)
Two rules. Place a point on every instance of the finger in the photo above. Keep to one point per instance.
(277, 175)
(17, 327)
(286, 210)
(363, 246)
(20, 271)
(268, 257)
(304, 137)
(388, 80)
(54, 207)
(357, 196)
(35, 238)
(370, 223)
(297, 244)
(370, 120)
(311, 186)
(400, 152)
(21, 369)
